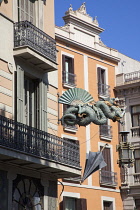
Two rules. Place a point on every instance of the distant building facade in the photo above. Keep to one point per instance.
(128, 90)
(32, 158)
(85, 62)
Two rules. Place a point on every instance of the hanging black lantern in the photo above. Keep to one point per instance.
(125, 150)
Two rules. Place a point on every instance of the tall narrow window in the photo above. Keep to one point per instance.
(106, 130)
(103, 88)
(26, 10)
(31, 106)
(30, 101)
(107, 158)
(68, 70)
(101, 76)
(137, 160)
(135, 116)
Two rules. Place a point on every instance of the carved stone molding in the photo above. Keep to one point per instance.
(128, 92)
(82, 10)
(66, 27)
(95, 21)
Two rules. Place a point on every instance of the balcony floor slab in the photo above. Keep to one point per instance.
(24, 160)
(35, 58)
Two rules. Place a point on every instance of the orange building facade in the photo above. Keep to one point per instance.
(85, 62)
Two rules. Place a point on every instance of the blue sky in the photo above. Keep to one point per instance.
(119, 18)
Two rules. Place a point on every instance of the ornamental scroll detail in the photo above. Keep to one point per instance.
(84, 110)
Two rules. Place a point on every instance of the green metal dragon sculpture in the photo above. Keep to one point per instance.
(83, 111)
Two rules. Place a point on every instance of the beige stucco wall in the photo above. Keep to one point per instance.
(49, 17)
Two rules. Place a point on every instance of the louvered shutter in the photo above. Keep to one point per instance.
(63, 62)
(99, 74)
(63, 69)
(107, 158)
(43, 105)
(81, 204)
(71, 65)
(20, 94)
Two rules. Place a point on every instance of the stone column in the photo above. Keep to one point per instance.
(45, 183)
(11, 175)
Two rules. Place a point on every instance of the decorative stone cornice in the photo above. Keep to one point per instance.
(82, 10)
(128, 92)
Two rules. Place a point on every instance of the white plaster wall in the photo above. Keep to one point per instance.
(127, 64)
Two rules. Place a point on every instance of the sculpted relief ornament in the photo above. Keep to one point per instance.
(83, 110)
(82, 9)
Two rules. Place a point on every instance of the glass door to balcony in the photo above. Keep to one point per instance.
(30, 102)
(26, 10)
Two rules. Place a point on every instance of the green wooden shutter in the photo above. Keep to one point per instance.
(43, 105)
(20, 94)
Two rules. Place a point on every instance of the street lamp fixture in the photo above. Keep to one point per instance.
(125, 150)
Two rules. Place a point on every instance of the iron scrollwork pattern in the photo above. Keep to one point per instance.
(27, 193)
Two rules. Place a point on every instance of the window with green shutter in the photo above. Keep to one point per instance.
(31, 103)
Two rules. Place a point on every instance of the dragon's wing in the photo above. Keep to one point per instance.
(75, 96)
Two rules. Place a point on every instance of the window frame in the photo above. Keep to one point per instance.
(136, 159)
(31, 17)
(80, 203)
(68, 75)
(135, 114)
(103, 88)
(41, 92)
(108, 199)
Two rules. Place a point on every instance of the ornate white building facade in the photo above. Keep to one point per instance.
(128, 90)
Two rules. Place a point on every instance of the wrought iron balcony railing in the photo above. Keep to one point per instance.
(132, 76)
(106, 131)
(103, 89)
(135, 131)
(26, 34)
(69, 78)
(29, 140)
(108, 178)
